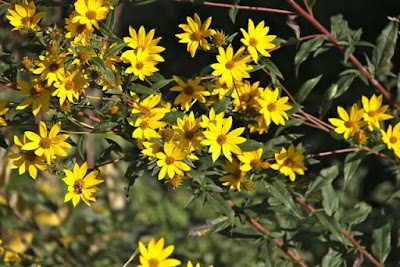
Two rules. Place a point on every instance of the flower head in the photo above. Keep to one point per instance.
(81, 185)
(23, 16)
(374, 111)
(257, 40)
(289, 162)
(252, 160)
(171, 161)
(50, 68)
(231, 67)
(39, 95)
(155, 255)
(348, 125)
(89, 12)
(273, 107)
(219, 138)
(188, 91)
(3, 110)
(142, 63)
(70, 86)
(235, 176)
(392, 137)
(212, 118)
(188, 134)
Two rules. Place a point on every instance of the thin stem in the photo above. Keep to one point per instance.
(7, 3)
(298, 118)
(104, 98)
(90, 117)
(263, 9)
(309, 10)
(352, 58)
(338, 151)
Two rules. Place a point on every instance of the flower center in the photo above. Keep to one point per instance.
(253, 42)
(84, 56)
(168, 134)
(196, 36)
(144, 125)
(54, 67)
(189, 135)
(271, 107)
(393, 140)
(237, 175)
(153, 262)
(78, 186)
(169, 160)
(30, 156)
(45, 143)
(372, 113)
(80, 28)
(221, 139)
(69, 85)
(218, 39)
(246, 97)
(230, 64)
(255, 163)
(288, 163)
(188, 90)
(25, 20)
(139, 65)
(91, 14)
(350, 124)
(36, 90)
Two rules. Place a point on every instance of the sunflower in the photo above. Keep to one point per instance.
(3, 110)
(171, 161)
(235, 175)
(23, 16)
(155, 255)
(188, 91)
(252, 160)
(50, 68)
(142, 63)
(273, 108)
(188, 134)
(39, 95)
(89, 12)
(374, 111)
(348, 125)
(289, 162)
(70, 86)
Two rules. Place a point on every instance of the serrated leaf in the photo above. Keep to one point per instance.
(220, 204)
(250, 145)
(141, 89)
(279, 192)
(332, 259)
(160, 84)
(326, 175)
(233, 13)
(110, 20)
(381, 242)
(109, 34)
(357, 214)
(271, 67)
(305, 49)
(384, 50)
(222, 106)
(104, 126)
(81, 146)
(331, 225)
(3, 8)
(331, 92)
(306, 88)
(172, 117)
(330, 200)
(351, 164)
(114, 50)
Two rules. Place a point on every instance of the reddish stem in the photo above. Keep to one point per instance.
(339, 151)
(264, 9)
(90, 117)
(352, 58)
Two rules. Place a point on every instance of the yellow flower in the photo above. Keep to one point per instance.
(90, 11)
(70, 86)
(261, 126)
(189, 264)
(392, 137)
(27, 160)
(195, 34)
(288, 162)
(231, 67)
(148, 105)
(252, 160)
(39, 95)
(359, 138)
(3, 110)
(348, 125)
(81, 185)
(171, 161)
(77, 30)
(219, 138)
(147, 126)
(11, 257)
(374, 111)
(212, 118)
(219, 38)
(145, 42)
(189, 90)
(47, 144)
(257, 40)
(151, 149)
(188, 134)
(155, 255)
(235, 176)
(50, 68)
(220, 88)
(273, 108)
(244, 96)
(142, 63)
(23, 16)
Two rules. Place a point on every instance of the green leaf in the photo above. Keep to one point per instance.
(160, 84)
(141, 89)
(3, 8)
(381, 242)
(81, 146)
(109, 34)
(357, 214)
(330, 200)
(332, 259)
(222, 106)
(250, 145)
(351, 164)
(383, 53)
(104, 126)
(331, 92)
(279, 192)
(110, 20)
(220, 204)
(114, 50)
(233, 13)
(326, 176)
(331, 225)
(172, 117)
(305, 49)
(271, 67)
(306, 88)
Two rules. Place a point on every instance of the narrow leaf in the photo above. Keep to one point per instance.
(381, 242)
(351, 164)
(306, 88)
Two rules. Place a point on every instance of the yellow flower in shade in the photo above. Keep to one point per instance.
(81, 185)
(23, 16)
(231, 67)
(220, 89)
(374, 111)
(392, 137)
(252, 160)
(39, 95)
(195, 34)
(147, 126)
(235, 176)
(257, 40)
(171, 161)
(3, 110)
(261, 126)
(359, 138)
(289, 162)
(145, 41)
(50, 68)
(48, 144)
(151, 149)
(244, 96)
(188, 134)
(155, 255)
(219, 138)
(142, 63)
(219, 38)
(90, 11)
(273, 107)
(348, 125)
(11, 257)
(27, 160)
(189, 90)
(70, 86)
(77, 30)
(212, 118)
